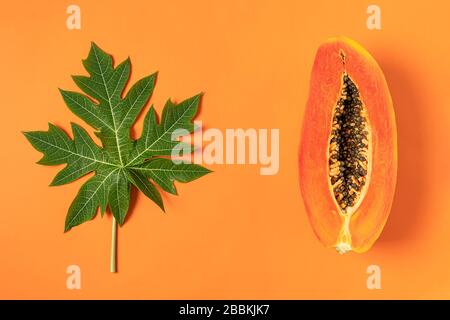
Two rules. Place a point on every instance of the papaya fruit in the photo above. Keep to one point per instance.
(348, 147)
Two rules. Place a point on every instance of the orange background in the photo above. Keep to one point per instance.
(233, 233)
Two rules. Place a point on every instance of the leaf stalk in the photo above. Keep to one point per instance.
(113, 258)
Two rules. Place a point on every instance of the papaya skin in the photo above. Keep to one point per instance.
(367, 221)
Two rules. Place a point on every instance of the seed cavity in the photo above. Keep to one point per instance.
(348, 146)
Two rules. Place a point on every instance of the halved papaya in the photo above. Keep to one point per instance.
(348, 148)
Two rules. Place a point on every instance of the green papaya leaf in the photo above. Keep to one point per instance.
(120, 163)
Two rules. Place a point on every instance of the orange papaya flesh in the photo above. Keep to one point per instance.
(348, 148)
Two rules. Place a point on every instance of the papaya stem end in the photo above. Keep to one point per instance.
(344, 241)
(343, 247)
